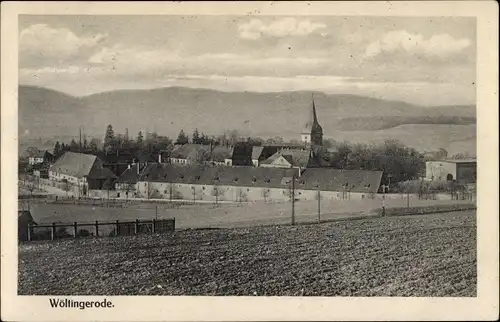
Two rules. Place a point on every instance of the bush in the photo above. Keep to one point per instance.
(83, 233)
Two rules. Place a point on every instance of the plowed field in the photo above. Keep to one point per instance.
(420, 255)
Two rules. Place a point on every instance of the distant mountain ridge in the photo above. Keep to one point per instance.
(47, 113)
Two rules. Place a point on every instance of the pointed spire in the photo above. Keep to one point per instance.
(315, 119)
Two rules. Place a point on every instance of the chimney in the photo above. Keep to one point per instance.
(128, 166)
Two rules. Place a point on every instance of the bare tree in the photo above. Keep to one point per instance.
(217, 192)
(265, 194)
(199, 156)
(242, 196)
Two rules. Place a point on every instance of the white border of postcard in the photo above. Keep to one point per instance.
(191, 308)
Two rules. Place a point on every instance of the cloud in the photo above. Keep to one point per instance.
(255, 28)
(142, 60)
(439, 46)
(42, 41)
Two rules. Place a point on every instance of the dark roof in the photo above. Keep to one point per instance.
(340, 180)
(128, 176)
(101, 173)
(328, 179)
(296, 158)
(35, 153)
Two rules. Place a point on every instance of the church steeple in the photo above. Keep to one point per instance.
(312, 132)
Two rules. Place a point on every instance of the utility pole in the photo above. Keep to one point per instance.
(319, 205)
(383, 199)
(293, 199)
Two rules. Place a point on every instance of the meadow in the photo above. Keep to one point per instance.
(419, 255)
(228, 215)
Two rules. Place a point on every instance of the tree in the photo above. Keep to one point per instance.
(233, 137)
(196, 137)
(109, 136)
(265, 194)
(126, 137)
(198, 156)
(94, 145)
(85, 144)
(57, 149)
(217, 192)
(140, 139)
(182, 138)
(73, 146)
(462, 156)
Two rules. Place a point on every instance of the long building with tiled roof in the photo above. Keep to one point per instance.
(201, 180)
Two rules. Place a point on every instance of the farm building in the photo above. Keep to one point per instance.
(24, 218)
(288, 158)
(254, 183)
(36, 156)
(83, 170)
(189, 153)
(460, 170)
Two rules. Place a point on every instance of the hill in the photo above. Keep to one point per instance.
(47, 113)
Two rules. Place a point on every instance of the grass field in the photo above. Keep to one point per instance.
(222, 216)
(423, 255)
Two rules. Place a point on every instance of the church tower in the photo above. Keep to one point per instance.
(312, 134)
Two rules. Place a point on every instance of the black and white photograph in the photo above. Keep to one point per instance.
(247, 154)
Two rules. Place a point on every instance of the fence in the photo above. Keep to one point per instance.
(121, 228)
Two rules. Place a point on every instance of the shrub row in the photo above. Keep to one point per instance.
(424, 209)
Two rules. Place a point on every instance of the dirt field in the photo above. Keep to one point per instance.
(221, 216)
(419, 255)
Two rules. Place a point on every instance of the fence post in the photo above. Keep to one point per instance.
(53, 231)
(136, 226)
(117, 228)
(29, 232)
(96, 228)
(75, 229)
(153, 230)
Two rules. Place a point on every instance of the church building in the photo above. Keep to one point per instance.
(312, 134)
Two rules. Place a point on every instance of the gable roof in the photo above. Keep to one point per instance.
(36, 153)
(296, 158)
(340, 180)
(220, 153)
(256, 152)
(310, 179)
(129, 176)
(74, 164)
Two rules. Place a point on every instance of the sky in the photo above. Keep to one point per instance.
(421, 60)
